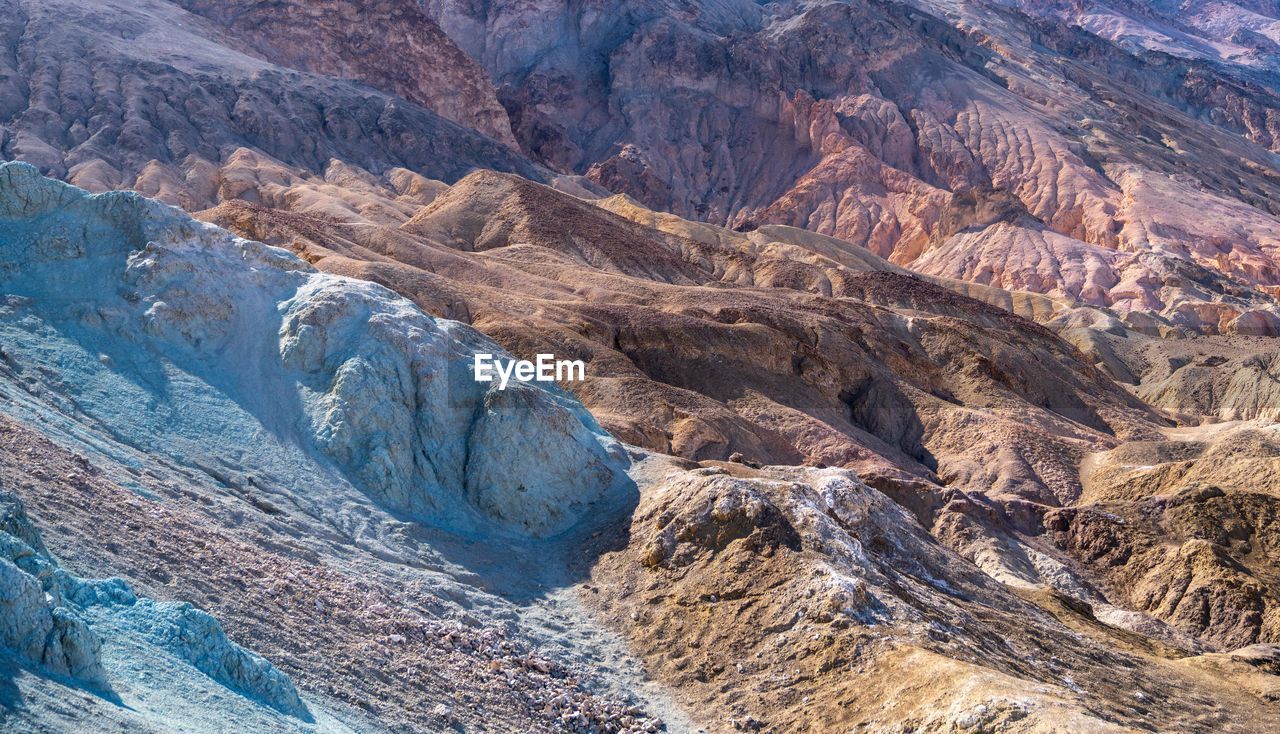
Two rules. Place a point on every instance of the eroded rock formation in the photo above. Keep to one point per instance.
(782, 345)
(150, 97)
(943, 411)
(991, 271)
(923, 131)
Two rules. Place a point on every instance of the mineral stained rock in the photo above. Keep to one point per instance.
(53, 620)
(780, 344)
(1009, 143)
(355, 372)
(164, 359)
(969, 439)
(930, 366)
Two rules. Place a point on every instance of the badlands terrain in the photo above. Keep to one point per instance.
(932, 381)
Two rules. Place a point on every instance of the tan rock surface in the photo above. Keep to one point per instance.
(1185, 530)
(788, 600)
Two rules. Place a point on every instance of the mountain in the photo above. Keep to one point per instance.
(377, 462)
(1111, 155)
(149, 97)
(190, 364)
(1030, 146)
(356, 41)
(703, 342)
(929, 362)
(786, 347)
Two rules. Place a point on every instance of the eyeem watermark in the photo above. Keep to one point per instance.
(544, 368)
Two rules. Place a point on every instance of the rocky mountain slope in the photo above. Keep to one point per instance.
(356, 40)
(360, 518)
(703, 342)
(142, 344)
(133, 662)
(1057, 152)
(929, 357)
(788, 347)
(1118, 155)
(149, 97)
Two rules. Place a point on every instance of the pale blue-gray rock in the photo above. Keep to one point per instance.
(47, 619)
(196, 343)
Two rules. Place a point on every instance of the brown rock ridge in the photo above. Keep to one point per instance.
(1185, 529)
(389, 45)
(704, 342)
(1205, 378)
(147, 96)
